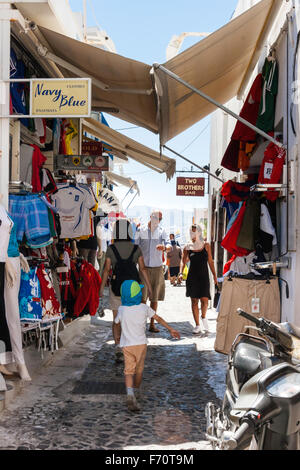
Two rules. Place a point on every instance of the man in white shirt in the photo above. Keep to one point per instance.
(152, 240)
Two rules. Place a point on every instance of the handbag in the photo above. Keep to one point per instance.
(217, 296)
(185, 273)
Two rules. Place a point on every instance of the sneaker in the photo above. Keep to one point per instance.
(197, 330)
(132, 404)
(205, 325)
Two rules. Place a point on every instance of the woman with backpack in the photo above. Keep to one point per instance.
(126, 262)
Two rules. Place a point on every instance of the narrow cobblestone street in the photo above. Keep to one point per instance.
(78, 401)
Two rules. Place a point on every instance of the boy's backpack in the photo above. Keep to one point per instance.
(124, 270)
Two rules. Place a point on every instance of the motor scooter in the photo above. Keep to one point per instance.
(261, 405)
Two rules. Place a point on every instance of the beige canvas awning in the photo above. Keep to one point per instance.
(120, 86)
(122, 180)
(217, 65)
(128, 147)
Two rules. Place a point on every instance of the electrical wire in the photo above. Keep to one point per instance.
(197, 137)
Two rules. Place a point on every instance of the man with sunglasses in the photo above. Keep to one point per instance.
(152, 240)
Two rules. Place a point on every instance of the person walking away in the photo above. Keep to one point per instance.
(152, 239)
(103, 240)
(197, 284)
(174, 259)
(122, 256)
(133, 315)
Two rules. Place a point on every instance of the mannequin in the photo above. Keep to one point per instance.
(6, 356)
(14, 262)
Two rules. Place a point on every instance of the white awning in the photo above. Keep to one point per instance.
(114, 178)
(122, 87)
(128, 147)
(216, 65)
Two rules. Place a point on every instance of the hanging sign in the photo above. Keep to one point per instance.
(91, 148)
(61, 97)
(190, 186)
(87, 163)
(108, 201)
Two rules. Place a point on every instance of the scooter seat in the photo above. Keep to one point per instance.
(249, 357)
(291, 329)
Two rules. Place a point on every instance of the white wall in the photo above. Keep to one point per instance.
(221, 130)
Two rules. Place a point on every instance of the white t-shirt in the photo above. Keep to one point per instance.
(6, 224)
(133, 322)
(73, 204)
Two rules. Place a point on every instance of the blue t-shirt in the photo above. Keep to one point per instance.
(13, 247)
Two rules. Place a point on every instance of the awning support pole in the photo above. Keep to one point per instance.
(218, 105)
(131, 201)
(131, 187)
(194, 164)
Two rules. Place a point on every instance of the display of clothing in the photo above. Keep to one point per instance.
(235, 156)
(30, 297)
(266, 114)
(30, 215)
(50, 306)
(272, 168)
(250, 226)
(238, 293)
(88, 287)
(229, 242)
(74, 203)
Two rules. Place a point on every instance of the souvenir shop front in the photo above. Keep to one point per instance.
(255, 229)
(47, 278)
(54, 207)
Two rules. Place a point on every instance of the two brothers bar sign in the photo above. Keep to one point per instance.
(190, 186)
(61, 97)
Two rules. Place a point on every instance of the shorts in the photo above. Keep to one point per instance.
(174, 271)
(114, 301)
(157, 281)
(30, 214)
(30, 296)
(134, 359)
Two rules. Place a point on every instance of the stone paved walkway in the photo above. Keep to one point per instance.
(63, 409)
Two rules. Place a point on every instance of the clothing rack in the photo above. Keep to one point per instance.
(20, 185)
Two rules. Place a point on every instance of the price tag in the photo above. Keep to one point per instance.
(255, 305)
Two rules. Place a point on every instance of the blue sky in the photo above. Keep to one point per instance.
(141, 30)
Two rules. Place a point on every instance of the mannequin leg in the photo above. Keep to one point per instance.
(11, 296)
(6, 356)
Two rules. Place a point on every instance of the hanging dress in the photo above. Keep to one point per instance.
(197, 283)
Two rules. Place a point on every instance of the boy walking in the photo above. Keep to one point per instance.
(133, 315)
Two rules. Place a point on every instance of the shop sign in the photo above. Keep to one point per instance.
(91, 148)
(61, 97)
(108, 201)
(190, 186)
(87, 163)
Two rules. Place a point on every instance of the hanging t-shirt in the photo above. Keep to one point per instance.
(26, 152)
(272, 168)
(266, 113)
(73, 204)
(6, 225)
